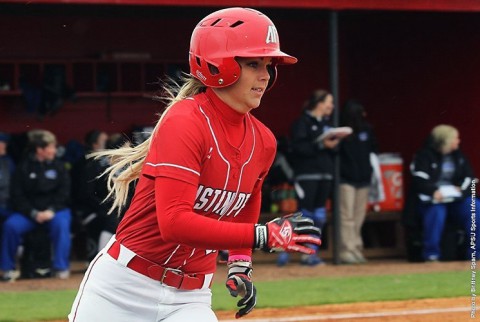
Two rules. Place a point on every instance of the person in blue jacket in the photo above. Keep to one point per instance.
(444, 185)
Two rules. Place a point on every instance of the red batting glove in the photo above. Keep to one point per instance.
(290, 233)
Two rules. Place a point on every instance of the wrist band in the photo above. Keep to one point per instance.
(239, 258)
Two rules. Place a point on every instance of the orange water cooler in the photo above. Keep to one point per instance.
(391, 167)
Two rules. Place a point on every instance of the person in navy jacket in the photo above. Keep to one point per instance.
(312, 162)
(443, 181)
(40, 194)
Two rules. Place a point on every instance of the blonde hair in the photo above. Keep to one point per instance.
(443, 136)
(41, 138)
(127, 161)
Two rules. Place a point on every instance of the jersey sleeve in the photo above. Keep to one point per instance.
(249, 214)
(179, 224)
(176, 150)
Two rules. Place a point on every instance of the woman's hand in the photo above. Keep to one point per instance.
(437, 196)
(331, 143)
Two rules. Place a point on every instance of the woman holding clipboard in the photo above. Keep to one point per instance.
(312, 161)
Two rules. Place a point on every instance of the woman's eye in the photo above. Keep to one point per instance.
(253, 64)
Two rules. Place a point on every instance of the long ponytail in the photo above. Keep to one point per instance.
(126, 162)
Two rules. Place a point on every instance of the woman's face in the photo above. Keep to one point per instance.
(455, 142)
(451, 146)
(329, 105)
(101, 142)
(325, 107)
(246, 94)
(47, 153)
(3, 148)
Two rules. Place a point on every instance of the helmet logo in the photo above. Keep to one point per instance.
(272, 35)
(200, 75)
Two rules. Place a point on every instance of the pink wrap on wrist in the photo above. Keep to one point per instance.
(239, 258)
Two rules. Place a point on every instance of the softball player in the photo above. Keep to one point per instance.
(199, 189)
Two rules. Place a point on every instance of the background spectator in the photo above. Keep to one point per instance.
(88, 192)
(442, 179)
(7, 167)
(96, 192)
(95, 140)
(355, 178)
(312, 162)
(40, 194)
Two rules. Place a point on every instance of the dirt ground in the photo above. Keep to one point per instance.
(438, 310)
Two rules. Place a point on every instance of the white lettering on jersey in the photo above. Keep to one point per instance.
(272, 35)
(228, 201)
(215, 196)
(207, 192)
(241, 201)
(209, 155)
(220, 201)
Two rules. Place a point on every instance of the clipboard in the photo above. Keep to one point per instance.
(335, 133)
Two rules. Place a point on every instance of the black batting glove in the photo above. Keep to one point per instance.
(239, 283)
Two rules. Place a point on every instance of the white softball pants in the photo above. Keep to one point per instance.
(112, 292)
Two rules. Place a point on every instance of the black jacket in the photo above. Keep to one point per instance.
(308, 156)
(92, 190)
(37, 186)
(354, 151)
(6, 169)
(426, 171)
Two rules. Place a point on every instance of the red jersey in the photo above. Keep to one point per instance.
(200, 186)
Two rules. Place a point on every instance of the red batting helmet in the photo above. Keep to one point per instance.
(229, 33)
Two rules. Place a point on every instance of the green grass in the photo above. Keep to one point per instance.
(40, 306)
(353, 289)
(35, 306)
